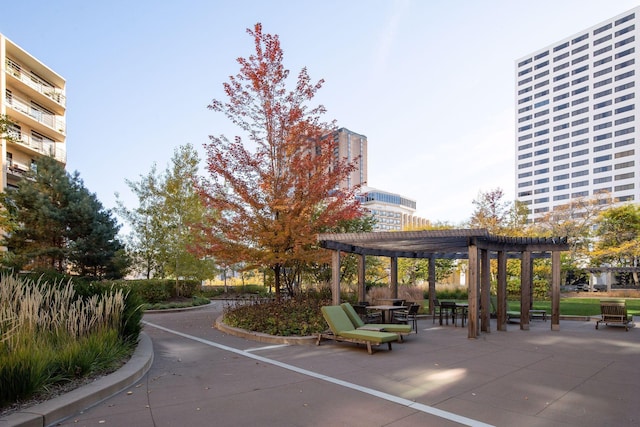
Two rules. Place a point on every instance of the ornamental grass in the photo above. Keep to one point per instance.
(49, 335)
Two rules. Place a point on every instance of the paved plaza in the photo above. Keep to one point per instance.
(200, 376)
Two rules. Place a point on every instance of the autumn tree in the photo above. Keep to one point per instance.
(497, 215)
(618, 232)
(277, 191)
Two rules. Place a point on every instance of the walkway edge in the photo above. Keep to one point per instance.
(260, 337)
(55, 410)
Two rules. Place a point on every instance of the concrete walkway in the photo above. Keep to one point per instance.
(578, 376)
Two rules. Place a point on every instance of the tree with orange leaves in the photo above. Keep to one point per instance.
(272, 197)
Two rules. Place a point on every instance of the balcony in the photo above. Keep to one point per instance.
(41, 116)
(15, 70)
(57, 150)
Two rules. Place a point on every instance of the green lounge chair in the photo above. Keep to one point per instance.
(397, 328)
(343, 330)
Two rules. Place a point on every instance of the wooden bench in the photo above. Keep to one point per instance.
(538, 314)
(614, 312)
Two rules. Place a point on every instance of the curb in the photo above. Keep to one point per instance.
(59, 408)
(260, 337)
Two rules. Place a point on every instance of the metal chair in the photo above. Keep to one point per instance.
(408, 315)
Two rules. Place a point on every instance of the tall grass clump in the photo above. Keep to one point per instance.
(49, 334)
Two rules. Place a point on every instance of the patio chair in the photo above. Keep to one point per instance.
(396, 328)
(614, 312)
(343, 330)
(448, 309)
(408, 315)
(436, 309)
(366, 315)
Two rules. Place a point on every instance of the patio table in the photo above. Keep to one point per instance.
(386, 310)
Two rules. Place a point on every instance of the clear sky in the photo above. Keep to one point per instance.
(429, 82)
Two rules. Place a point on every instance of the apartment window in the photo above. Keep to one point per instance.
(525, 62)
(602, 83)
(561, 46)
(561, 137)
(625, 120)
(617, 177)
(560, 97)
(625, 108)
(541, 55)
(525, 156)
(525, 81)
(602, 50)
(539, 94)
(602, 147)
(541, 200)
(602, 191)
(625, 41)
(523, 72)
(625, 154)
(526, 127)
(626, 198)
(579, 184)
(541, 123)
(579, 173)
(602, 72)
(625, 64)
(540, 84)
(560, 77)
(524, 137)
(602, 61)
(580, 142)
(602, 169)
(560, 87)
(580, 49)
(624, 187)
(541, 113)
(561, 157)
(560, 57)
(602, 126)
(625, 52)
(524, 118)
(625, 131)
(525, 90)
(561, 147)
(561, 167)
(562, 107)
(625, 75)
(541, 142)
(525, 165)
(602, 39)
(523, 109)
(602, 104)
(543, 151)
(579, 194)
(540, 65)
(580, 111)
(541, 132)
(579, 132)
(580, 163)
(560, 67)
(560, 197)
(602, 158)
(561, 177)
(625, 165)
(580, 59)
(601, 94)
(625, 97)
(602, 115)
(561, 117)
(580, 121)
(603, 136)
(580, 152)
(524, 193)
(541, 162)
(580, 70)
(542, 74)
(541, 190)
(625, 19)
(624, 30)
(580, 38)
(624, 142)
(541, 103)
(524, 147)
(601, 180)
(524, 184)
(524, 175)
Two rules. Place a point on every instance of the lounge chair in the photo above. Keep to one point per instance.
(343, 330)
(357, 322)
(614, 312)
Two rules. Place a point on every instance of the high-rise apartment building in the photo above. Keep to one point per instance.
(576, 118)
(391, 211)
(34, 100)
(352, 147)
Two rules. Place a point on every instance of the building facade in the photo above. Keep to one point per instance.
(576, 118)
(391, 211)
(34, 100)
(352, 147)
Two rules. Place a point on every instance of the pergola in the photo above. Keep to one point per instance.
(476, 245)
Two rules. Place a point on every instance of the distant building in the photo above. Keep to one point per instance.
(576, 124)
(352, 147)
(34, 98)
(392, 212)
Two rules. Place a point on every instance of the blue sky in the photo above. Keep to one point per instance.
(430, 83)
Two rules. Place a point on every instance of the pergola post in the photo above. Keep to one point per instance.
(526, 275)
(394, 277)
(473, 291)
(432, 285)
(501, 309)
(555, 290)
(362, 288)
(485, 288)
(335, 277)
